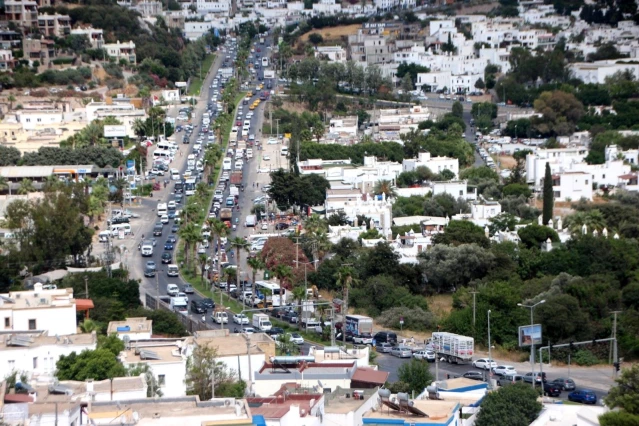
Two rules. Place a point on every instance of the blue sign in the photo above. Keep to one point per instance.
(216, 32)
(130, 164)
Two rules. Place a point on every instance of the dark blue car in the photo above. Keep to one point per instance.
(168, 246)
(584, 396)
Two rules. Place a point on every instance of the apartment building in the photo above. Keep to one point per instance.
(149, 8)
(572, 186)
(131, 329)
(39, 49)
(37, 353)
(558, 159)
(6, 60)
(95, 35)
(54, 25)
(53, 311)
(23, 13)
(119, 51)
(10, 39)
(597, 72)
(331, 53)
(194, 30)
(456, 189)
(434, 164)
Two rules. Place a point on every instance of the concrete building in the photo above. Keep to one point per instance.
(456, 189)
(194, 30)
(54, 25)
(124, 111)
(131, 329)
(272, 376)
(37, 353)
(22, 13)
(53, 311)
(31, 119)
(10, 39)
(38, 49)
(353, 203)
(331, 53)
(6, 60)
(119, 51)
(344, 126)
(289, 406)
(596, 72)
(399, 410)
(95, 35)
(434, 164)
(572, 186)
(149, 8)
(558, 159)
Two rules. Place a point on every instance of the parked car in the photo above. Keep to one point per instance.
(484, 363)
(584, 396)
(384, 347)
(505, 370)
(386, 337)
(474, 375)
(552, 390)
(539, 377)
(509, 380)
(565, 384)
(401, 352)
(425, 355)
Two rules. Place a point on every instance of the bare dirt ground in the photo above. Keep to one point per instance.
(507, 162)
(333, 33)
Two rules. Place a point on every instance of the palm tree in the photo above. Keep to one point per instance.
(11, 100)
(211, 156)
(315, 223)
(190, 212)
(593, 220)
(284, 345)
(345, 279)
(202, 260)
(4, 184)
(384, 187)
(139, 128)
(88, 325)
(26, 186)
(239, 244)
(282, 272)
(51, 183)
(256, 264)
(191, 235)
(220, 230)
(299, 295)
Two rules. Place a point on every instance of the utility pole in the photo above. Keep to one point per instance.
(474, 293)
(86, 286)
(157, 291)
(613, 343)
(345, 306)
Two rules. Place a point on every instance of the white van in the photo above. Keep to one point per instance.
(172, 270)
(226, 164)
(161, 153)
(115, 229)
(175, 174)
(164, 145)
(162, 209)
(104, 236)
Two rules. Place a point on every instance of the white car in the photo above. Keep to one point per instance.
(505, 370)
(164, 219)
(272, 141)
(266, 158)
(296, 338)
(425, 355)
(264, 227)
(484, 363)
(240, 319)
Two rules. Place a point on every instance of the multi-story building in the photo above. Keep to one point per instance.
(39, 49)
(572, 186)
(434, 164)
(54, 25)
(37, 353)
(456, 189)
(95, 35)
(331, 53)
(119, 51)
(23, 13)
(149, 8)
(6, 60)
(558, 159)
(193, 30)
(10, 39)
(53, 311)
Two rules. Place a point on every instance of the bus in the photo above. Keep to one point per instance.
(189, 187)
(264, 62)
(272, 291)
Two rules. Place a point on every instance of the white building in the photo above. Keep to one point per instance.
(332, 53)
(131, 329)
(53, 311)
(95, 35)
(193, 30)
(558, 159)
(37, 353)
(119, 51)
(40, 118)
(596, 72)
(125, 112)
(572, 186)
(484, 209)
(434, 164)
(346, 126)
(613, 152)
(353, 203)
(456, 189)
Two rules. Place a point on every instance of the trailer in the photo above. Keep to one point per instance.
(236, 177)
(454, 348)
(359, 324)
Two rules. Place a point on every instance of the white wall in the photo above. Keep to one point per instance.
(456, 189)
(174, 374)
(573, 187)
(240, 364)
(58, 320)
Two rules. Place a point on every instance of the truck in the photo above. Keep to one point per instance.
(234, 191)
(250, 221)
(261, 322)
(236, 177)
(226, 214)
(454, 348)
(220, 316)
(359, 324)
(261, 40)
(179, 303)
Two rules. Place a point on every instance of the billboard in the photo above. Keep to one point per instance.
(118, 131)
(530, 335)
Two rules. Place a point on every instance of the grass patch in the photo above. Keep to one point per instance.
(440, 304)
(196, 82)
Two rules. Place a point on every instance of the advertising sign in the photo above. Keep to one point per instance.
(529, 335)
(116, 131)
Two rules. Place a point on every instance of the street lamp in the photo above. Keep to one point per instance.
(532, 339)
(490, 359)
(305, 281)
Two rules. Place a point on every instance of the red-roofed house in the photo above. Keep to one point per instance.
(368, 378)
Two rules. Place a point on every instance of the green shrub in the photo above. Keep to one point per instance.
(415, 319)
(585, 357)
(62, 61)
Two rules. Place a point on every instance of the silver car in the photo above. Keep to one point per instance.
(384, 347)
(425, 355)
(401, 352)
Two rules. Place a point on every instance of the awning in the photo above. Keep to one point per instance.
(84, 304)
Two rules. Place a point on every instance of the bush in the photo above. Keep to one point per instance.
(415, 319)
(585, 357)
(62, 61)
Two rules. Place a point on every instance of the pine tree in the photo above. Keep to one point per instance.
(548, 196)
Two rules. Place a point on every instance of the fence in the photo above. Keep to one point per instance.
(192, 323)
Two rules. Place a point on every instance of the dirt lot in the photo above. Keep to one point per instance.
(333, 33)
(507, 162)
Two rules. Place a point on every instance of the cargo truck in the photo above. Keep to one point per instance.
(454, 348)
(359, 324)
(251, 220)
(261, 322)
(226, 214)
(179, 303)
(236, 178)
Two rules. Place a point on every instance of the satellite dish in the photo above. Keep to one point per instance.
(319, 382)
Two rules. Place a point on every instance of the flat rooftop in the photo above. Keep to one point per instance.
(438, 412)
(37, 299)
(337, 403)
(18, 340)
(275, 407)
(233, 344)
(176, 411)
(135, 325)
(153, 353)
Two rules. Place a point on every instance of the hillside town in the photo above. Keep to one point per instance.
(242, 212)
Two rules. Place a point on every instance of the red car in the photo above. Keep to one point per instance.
(259, 50)
(238, 123)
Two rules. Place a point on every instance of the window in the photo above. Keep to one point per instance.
(32, 324)
(35, 362)
(161, 379)
(7, 322)
(12, 365)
